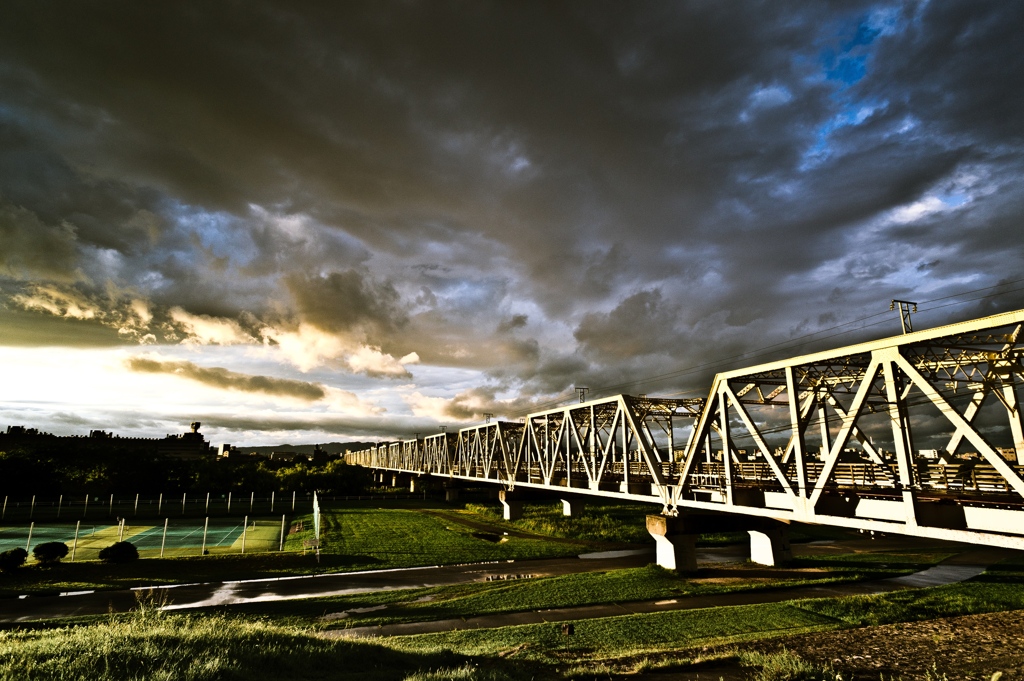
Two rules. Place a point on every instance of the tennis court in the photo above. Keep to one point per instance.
(184, 537)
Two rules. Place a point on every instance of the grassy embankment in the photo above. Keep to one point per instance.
(629, 643)
(591, 588)
(150, 644)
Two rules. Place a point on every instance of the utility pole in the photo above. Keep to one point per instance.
(906, 307)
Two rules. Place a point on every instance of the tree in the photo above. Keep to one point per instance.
(119, 552)
(51, 552)
(13, 559)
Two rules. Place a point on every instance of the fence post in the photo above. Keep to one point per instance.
(206, 524)
(229, 503)
(86, 511)
(252, 500)
(74, 546)
(293, 502)
(183, 495)
(136, 504)
(281, 545)
(245, 526)
(207, 503)
(160, 503)
(31, 526)
(163, 542)
(272, 501)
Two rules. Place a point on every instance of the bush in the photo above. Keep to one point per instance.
(51, 552)
(13, 559)
(119, 552)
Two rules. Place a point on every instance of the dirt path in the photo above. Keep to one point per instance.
(969, 647)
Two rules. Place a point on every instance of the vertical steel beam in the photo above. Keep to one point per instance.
(900, 431)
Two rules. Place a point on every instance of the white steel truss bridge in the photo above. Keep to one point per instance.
(919, 434)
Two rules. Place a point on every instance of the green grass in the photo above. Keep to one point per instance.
(481, 598)
(968, 598)
(627, 635)
(606, 522)
(155, 645)
(404, 537)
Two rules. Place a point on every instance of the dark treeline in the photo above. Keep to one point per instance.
(105, 467)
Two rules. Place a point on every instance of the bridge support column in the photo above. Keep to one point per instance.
(676, 547)
(571, 507)
(451, 493)
(512, 507)
(394, 480)
(414, 483)
(770, 546)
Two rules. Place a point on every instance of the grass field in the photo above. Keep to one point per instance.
(671, 632)
(355, 536)
(150, 644)
(157, 645)
(480, 598)
(371, 536)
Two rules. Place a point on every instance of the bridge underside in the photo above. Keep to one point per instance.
(919, 434)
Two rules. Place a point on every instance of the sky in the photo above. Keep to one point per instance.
(311, 222)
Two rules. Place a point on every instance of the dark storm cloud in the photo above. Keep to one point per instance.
(219, 377)
(554, 193)
(33, 249)
(345, 301)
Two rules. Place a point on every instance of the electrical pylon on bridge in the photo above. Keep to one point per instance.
(829, 438)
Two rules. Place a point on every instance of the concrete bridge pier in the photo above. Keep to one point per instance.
(676, 545)
(512, 507)
(395, 480)
(572, 507)
(416, 484)
(770, 545)
(451, 492)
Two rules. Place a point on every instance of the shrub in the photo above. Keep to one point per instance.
(119, 552)
(13, 559)
(50, 552)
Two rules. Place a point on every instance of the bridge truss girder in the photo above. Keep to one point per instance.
(828, 438)
(844, 423)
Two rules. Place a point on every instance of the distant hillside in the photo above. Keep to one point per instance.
(329, 447)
